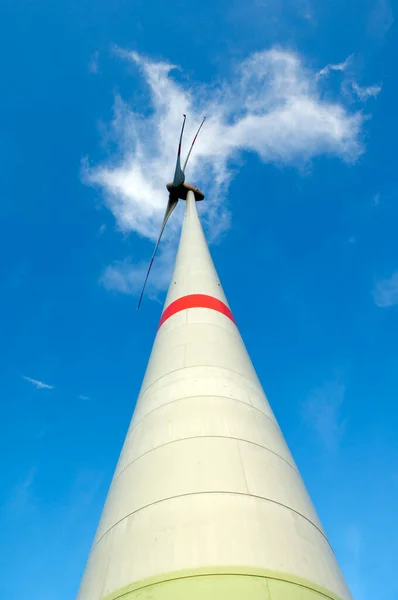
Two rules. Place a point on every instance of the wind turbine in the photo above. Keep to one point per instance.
(177, 189)
(206, 501)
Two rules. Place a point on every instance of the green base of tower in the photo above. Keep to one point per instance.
(219, 584)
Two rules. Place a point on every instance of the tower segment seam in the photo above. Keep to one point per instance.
(201, 366)
(134, 427)
(212, 492)
(198, 437)
(227, 572)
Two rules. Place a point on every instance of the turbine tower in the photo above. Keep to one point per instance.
(206, 501)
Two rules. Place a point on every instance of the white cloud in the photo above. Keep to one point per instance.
(82, 397)
(348, 84)
(40, 385)
(272, 107)
(322, 411)
(385, 292)
(334, 67)
(364, 93)
(127, 277)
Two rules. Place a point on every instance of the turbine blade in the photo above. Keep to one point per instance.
(192, 145)
(179, 176)
(169, 209)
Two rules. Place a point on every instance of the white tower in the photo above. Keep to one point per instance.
(206, 501)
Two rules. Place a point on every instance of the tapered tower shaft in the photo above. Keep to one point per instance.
(206, 501)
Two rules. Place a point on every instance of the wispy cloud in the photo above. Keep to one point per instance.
(82, 397)
(385, 292)
(127, 277)
(342, 66)
(322, 411)
(349, 85)
(273, 106)
(40, 385)
(364, 93)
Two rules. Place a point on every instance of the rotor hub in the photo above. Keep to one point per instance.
(182, 190)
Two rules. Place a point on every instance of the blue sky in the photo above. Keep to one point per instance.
(298, 160)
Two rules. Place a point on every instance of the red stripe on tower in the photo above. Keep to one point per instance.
(196, 301)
